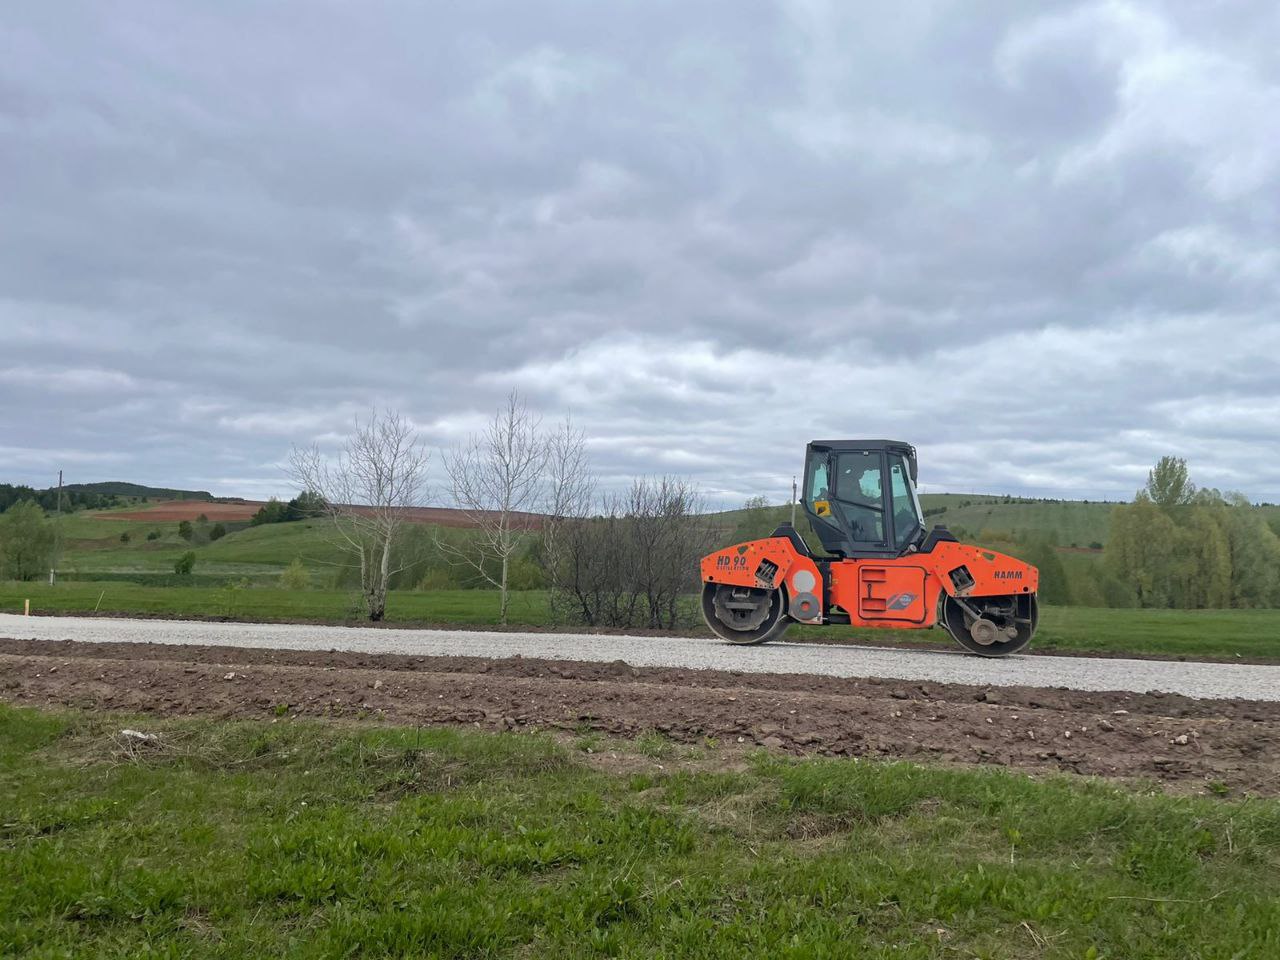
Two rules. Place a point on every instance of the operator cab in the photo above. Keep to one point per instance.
(860, 497)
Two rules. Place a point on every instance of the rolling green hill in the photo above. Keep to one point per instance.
(93, 545)
(1069, 523)
(114, 545)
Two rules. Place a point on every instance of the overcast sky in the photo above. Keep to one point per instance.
(1040, 241)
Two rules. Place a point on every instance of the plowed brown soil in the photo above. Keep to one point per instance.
(1184, 744)
(171, 511)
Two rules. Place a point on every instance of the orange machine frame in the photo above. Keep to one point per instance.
(894, 592)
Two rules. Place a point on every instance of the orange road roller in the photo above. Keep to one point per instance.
(881, 568)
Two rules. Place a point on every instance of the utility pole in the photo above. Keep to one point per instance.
(58, 524)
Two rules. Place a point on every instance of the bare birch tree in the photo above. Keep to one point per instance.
(496, 480)
(569, 493)
(366, 490)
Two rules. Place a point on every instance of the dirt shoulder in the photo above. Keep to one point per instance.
(1184, 744)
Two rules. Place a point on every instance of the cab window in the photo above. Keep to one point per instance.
(819, 486)
(906, 511)
(858, 478)
(858, 491)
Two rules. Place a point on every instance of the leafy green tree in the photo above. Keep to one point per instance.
(1141, 551)
(1168, 483)
(1255, 555)
(185, 564)
(305, 505)
(217, 532)
(1204, 561)
(28, 541)
(124, 537)
(273, 511)
(1115, 592)
(185, 530)
(1053, 575)
(1083, 581)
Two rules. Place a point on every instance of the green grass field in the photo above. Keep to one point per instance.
(299, 839)
(474, 607)
(93, 545)
(1192, 633)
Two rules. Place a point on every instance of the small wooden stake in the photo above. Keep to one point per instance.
(26, 608)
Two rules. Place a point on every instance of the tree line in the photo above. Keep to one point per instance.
(533, 510)
(1173, 546)
(1188, 548)
(48, 500)
(302, 507)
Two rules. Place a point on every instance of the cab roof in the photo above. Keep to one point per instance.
(863, 445)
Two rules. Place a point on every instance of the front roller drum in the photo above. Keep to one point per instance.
(990, 626)
(744, 615)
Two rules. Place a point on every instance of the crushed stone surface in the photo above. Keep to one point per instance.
(1188, 678)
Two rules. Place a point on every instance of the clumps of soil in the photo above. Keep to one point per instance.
(1220, 747)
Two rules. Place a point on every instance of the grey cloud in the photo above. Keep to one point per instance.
(1039, 242)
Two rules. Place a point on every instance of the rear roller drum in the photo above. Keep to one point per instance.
(744, 615)
(990, 626)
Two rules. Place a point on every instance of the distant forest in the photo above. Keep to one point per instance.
(93, 496)
(48, 499)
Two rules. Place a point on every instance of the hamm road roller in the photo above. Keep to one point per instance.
(880, 567)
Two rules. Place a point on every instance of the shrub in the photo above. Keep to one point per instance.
(185, 530)
(437, 578)
(203, 518)
(217, 531)
(295, 576)
(124, 537)
(525, 575)
(153, 535)
(185, 564)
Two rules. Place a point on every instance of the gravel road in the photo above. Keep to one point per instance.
(1199, 680)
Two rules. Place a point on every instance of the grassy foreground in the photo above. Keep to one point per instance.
(305, 840)
(1192, 633)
